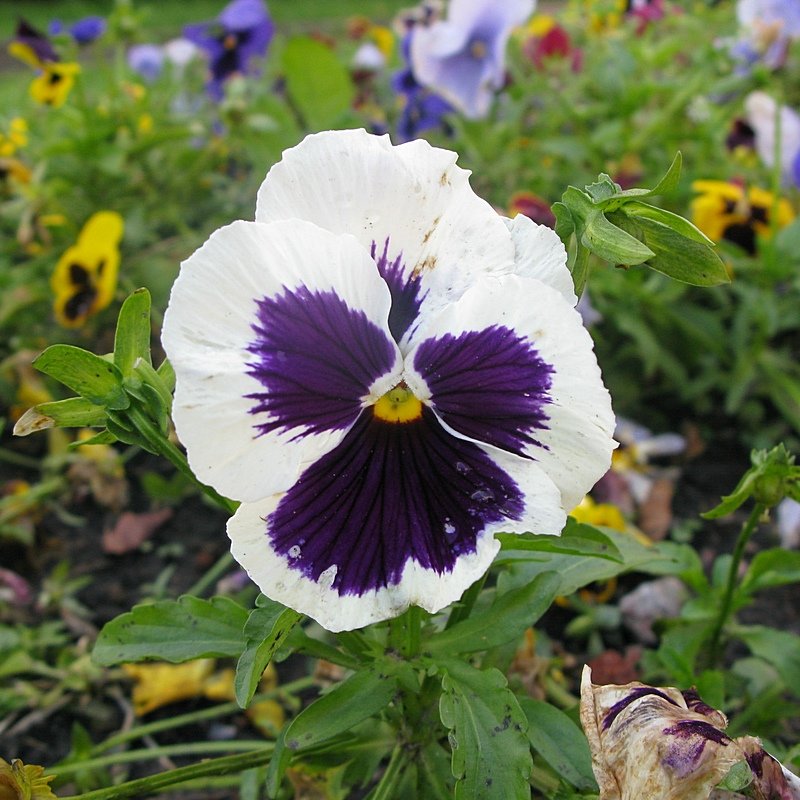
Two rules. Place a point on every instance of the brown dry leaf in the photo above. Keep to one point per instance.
(655, 513)
(131, 530)
(612, 666)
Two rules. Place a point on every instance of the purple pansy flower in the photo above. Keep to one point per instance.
(462, 58)
(385, 373)
(84, 31)
(784, 15)
(146, 60)
(242, 31)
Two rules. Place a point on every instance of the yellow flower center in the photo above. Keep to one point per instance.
(478, 49)
(398, 405)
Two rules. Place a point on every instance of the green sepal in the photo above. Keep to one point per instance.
(677, 256)
(167, 375)
(74, 412)
(164, 384)
(772, 476)
(132, 336)
(91, 376)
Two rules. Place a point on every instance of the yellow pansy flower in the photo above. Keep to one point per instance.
(15, 138)
(85, 277)
(21, 782)
(53, 86)
(725, 210)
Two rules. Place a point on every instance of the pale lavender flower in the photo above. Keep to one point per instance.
(462, 58)
(146, 60)
(762, 115)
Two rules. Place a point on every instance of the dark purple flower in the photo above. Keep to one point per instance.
(241, 32)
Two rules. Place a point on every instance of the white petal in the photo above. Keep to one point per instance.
(762, 112)
(541, 254)
(413, 194)
(207, 331)
(577, 441)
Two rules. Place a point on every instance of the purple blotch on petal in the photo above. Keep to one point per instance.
(490, 385)
(387, 494)
(405, 290)
(635, 694)
(689, 741)
(316, 358)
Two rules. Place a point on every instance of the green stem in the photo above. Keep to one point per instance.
(147, 787)
(413, 631)
(166, 448)
(192, 717)
(212, 575)
(151, 753)
(19, 460)
(714, 646)
(385, 789)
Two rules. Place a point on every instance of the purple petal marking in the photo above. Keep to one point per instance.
(636, 694)
(405, 290)
(689, 741)
(490, 385)
(316, 358)
(388, 494)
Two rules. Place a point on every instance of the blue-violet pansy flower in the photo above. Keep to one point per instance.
(385, 373)
(462, 58)
(241, 32)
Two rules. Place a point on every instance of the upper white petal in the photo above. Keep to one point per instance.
(208, 328)
(413, 194)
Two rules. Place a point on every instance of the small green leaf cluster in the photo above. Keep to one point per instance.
(614, 225)
(121, 393)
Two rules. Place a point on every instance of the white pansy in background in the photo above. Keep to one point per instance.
(385, 372)
(462, 57)
(762, 116)
(663, 744)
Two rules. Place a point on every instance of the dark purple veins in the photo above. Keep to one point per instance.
(490, 385)
(635, 694)
(390, 493)
(405, 290)
(315, 357)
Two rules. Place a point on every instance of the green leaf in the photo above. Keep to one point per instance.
(74, 412)
(317, 82)
(167, 375)
(679, 257)
(356, 699)
(677, 223)
(92, 377)
(577, 539)
(504, 621)
(664, 558)
(491, 753)
(775, 567)
(560, 742)
(132, 337)
(667, 185)
(104, 437)
(779, 648)
(603, 189)
(173, 630)
(265, 631)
